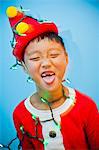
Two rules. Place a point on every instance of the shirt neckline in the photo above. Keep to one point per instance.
(56, 111)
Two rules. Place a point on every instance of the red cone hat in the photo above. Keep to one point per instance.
(25, 28)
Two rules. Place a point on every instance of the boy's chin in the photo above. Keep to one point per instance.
(50, 87)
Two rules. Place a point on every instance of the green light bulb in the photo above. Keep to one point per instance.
(34, 117)
(45, 143)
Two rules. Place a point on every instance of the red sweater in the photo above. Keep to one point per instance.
(79, 126)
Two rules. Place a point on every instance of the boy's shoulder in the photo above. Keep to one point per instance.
(80, 97)
(21, 116)
(20, 109)
(84, 100)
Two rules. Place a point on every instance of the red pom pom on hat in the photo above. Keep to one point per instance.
(26, 28)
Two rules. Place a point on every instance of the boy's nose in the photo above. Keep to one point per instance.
(46, 63)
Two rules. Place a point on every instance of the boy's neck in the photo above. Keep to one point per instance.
(51, 96)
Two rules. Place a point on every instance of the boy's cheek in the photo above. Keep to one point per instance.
(61, 66)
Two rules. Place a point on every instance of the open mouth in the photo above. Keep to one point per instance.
(48, 77)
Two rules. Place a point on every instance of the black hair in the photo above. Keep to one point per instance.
(51, 36)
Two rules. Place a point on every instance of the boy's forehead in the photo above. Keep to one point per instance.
(38, 46)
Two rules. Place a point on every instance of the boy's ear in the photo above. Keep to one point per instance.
(24, 67)
(67, 59)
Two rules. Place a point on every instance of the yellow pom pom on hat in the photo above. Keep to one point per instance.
(22, 27)
(11, 11)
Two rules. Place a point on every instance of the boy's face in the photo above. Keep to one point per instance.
(46, 61)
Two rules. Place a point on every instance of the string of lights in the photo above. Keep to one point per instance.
(8, 146)
(35, 118)
(25, 133)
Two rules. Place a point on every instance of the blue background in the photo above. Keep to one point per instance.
(78, 22)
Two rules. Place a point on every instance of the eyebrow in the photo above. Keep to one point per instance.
(36, 51)
(55, 49)
(31, 53)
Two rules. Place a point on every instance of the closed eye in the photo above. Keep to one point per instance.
(54, 55)
(35, 58)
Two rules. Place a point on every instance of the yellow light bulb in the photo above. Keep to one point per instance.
(11, 11)
(22, 27)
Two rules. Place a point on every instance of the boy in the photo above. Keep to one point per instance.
(54, 117)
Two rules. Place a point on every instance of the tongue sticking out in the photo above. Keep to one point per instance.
(49, 79)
